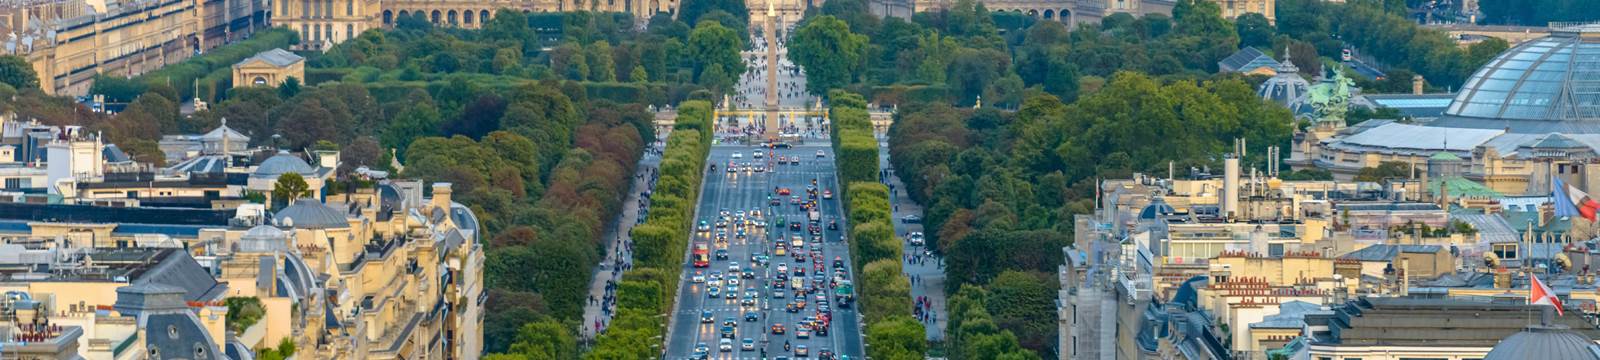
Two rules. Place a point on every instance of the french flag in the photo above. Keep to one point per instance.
(1569, 201)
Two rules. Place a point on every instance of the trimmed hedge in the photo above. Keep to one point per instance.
(883, 293)
(659, 244)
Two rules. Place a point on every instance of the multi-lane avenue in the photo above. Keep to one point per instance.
(728, 206)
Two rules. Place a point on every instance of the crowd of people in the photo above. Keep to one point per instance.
(621, 256)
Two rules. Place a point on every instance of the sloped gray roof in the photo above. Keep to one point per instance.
(1557, 141)
(276, 57)
(1246, 59)
(1407, 136)
(310, 214)
(224, 130)
(1386, 252)
(1291, 315)
(114, 154)
(202, 164)
(178, 269)
(1545, 342)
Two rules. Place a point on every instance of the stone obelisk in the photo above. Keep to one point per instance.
(771, 36)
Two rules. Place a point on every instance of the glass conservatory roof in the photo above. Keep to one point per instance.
(1551, 78)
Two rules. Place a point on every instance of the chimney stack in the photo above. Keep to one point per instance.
(1230, 185)
(441, 195)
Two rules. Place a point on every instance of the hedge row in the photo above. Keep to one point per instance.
(883, 294)
(219, 60)
(647, 291)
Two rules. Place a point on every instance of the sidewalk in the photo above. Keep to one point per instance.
(598, 309)
(927, 273)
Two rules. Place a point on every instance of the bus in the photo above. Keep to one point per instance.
(702, 255)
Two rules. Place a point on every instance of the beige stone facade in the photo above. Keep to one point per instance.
(269, 68)
(68, 42)
(1075, 12)
(322, 23)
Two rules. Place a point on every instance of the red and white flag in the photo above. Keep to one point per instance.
(1539, 293)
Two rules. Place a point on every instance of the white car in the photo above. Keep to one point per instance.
(757, 154)
(725, 345)
(699, 278)
(738, 155)
(820, 154)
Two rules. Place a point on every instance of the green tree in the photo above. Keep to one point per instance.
(289, 88)
(1481, 52)
(290, 186)
(17, 72)
(1022, 303)
(507, 61)
(243, 312)
(545, 339)
(639, 75)
(1254, 30)
(601, 66)
(898, 337)
(1385, 170)
(714, 49)
(831, 55)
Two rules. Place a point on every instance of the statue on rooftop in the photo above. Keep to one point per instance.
(1330, 99)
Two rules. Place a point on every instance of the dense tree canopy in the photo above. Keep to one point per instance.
(830, 53)
(17, 72)
(714, 51)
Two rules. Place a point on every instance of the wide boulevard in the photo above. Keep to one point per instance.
(701, 317)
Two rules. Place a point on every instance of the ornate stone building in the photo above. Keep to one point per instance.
(322, 23)
(1075, 12)
(69, 42)
(269, 68)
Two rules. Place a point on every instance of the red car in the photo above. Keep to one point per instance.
(777, 329)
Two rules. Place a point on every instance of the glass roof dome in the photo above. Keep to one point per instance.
(1552, 78)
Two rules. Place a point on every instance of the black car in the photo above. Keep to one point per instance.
(722, 254)
(751, 316)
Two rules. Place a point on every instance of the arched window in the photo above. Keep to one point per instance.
(483, 15)
(259, 81)
(451, 17)
(466, 17)
(435, 17)
(388, 17)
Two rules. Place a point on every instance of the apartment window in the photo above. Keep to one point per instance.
(13, 184)
(1505, 251)
(327, 11)
(317, 30)
(350, 8)
(305, 8)
(349, 31)
(328, 29)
